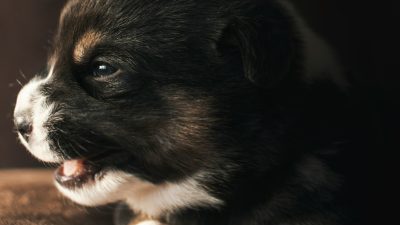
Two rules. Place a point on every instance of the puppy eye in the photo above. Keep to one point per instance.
(102, 69)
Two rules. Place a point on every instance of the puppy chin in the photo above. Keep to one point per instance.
(153, 200)
(109, 188)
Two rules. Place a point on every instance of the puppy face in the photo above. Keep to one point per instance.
(144, 101)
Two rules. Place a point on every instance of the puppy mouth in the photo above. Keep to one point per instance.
(75, 173)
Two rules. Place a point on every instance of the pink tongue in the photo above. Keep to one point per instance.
(73, 168)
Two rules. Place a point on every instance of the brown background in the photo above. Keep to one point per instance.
(362, 32)
(25, 30)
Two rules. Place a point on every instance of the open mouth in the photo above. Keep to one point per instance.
(75, 173)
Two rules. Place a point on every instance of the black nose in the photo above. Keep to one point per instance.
(24, 128)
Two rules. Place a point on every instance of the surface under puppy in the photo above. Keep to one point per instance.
(191, 112)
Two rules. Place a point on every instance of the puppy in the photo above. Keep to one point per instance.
(190, 112)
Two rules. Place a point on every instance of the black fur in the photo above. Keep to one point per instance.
(203, 85)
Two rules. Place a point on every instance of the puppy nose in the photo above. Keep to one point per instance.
(24, 127)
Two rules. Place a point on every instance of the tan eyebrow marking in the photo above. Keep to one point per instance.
(87, 41)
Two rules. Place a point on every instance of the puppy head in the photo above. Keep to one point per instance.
(142, 101)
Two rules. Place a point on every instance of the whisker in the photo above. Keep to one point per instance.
(19, 82)
(72, 145)
(79, 146)
(22, 74)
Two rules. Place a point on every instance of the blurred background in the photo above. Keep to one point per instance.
(360, 31)
(25, 30)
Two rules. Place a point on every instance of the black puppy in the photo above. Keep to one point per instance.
(190, 111)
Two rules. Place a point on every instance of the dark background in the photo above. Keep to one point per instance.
(25, 30)
(363, 33)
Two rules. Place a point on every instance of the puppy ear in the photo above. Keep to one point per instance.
(265, 39)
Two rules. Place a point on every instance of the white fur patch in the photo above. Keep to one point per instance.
(38, 142)
(141, 196)
(155, 199)
(111, 188)
(32, 107)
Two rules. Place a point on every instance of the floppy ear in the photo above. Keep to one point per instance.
(266, 41)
